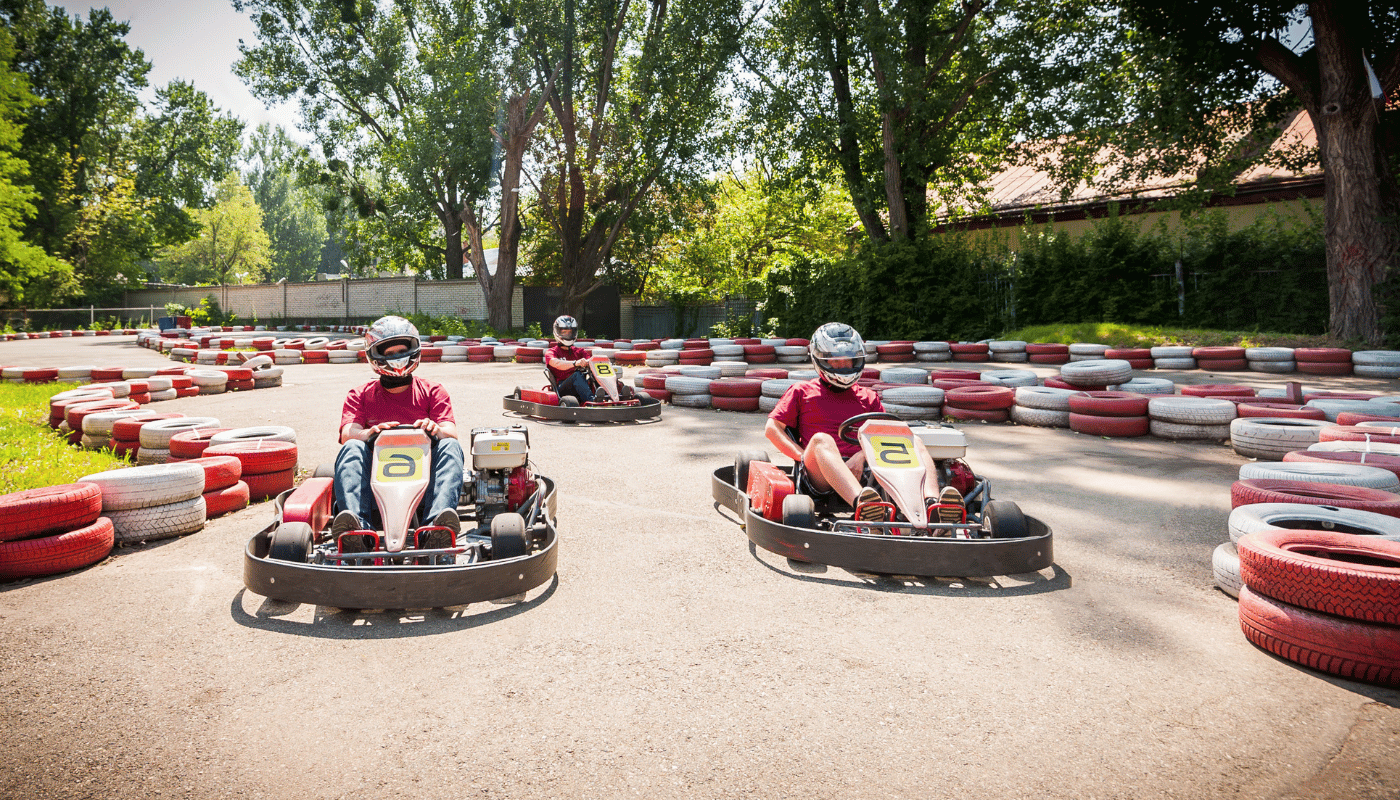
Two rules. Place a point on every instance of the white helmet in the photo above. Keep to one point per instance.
(837, 340)
(386, 332)
(565, 330)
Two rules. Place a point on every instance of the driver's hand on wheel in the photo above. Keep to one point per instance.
(429, 427)
(374, 430)
(581, 363)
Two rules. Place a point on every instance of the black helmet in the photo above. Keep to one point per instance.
(833, 341)
(565, 330)
(384, 333)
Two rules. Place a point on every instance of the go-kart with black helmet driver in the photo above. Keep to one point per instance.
(813, 411)
(565, 360)
(396, 398)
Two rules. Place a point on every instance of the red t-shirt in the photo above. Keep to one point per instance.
(372, 404)
(562, 353)
(811, 407)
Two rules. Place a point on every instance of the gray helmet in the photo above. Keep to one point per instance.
(838, 341)
(386, 332)
(565, 330)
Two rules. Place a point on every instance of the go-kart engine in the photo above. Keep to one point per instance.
(501, 481)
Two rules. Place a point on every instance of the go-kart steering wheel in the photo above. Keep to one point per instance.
(846, 432)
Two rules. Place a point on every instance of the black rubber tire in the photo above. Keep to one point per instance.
(326, 470)
(741, 466)
(508, 537)
(642, 395)
(568, 401)
(625, 392)
(1002, 519)
(799, 511)
(291, 541)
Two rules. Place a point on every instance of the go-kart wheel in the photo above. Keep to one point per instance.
(291, 541)
(799, 511)
(741, 466)
(508, 537)
(568, 402)
(1002, 519)
(326, 470)
(625, 392)
(518, 392)
(642, 395)
(847, 431)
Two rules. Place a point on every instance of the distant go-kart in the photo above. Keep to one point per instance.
(992, 537)
(613, 400)
(507, 545)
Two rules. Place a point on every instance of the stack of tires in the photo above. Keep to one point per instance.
(1042, 406)
(1047, 353)
(51, 530)
(695, 352)
(1190, 418)
(1010, 377)
(1376, 363)
(689, 391)
(1220, 359)
(1087, 351)
(1095, 374)
(1272, 438)
(152, 502)
(190, 444)
(523, 354)
(1146, 386)
(903, 375)
(504, 353)
(1009, 351)
(1270, 359)
(126, 432)
(914, 401)
(1323, 360)
(932, 351)
(1137, 357)
(268, 465)
(654, 384)
(735, 394)
(979, 403)
(790, 353)
(727, 350)
(896, 352)
(154, 436)
(772, 391)
(1113, 414)
(970, 351)
(97, 428)
(1172, 357)
(480, 353)
(209, 381)
(663, 356)
(224, 489)
(760, 353)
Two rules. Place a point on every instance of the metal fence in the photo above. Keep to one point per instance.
(47, 319)
(663, 322)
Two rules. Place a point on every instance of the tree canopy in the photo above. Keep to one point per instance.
(231, 246)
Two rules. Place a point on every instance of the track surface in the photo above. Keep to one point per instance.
(671, 660)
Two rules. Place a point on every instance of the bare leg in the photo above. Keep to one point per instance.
(827, 470)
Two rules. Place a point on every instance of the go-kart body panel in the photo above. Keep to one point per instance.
(398, 477)
(893, 460)
(885, 554)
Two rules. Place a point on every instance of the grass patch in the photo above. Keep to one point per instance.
(33, 455)
(1120, 335)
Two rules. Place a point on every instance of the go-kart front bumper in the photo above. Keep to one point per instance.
(647, 409)
(925, 556)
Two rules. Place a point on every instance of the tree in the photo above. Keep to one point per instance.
(231, 241)
(292, 213)
(402, 100)
(1197, 56)
(21, 263)
(902, 97)
(636, 111)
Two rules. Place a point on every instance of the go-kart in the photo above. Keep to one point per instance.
(507, 545)
(613, 400)
(990, 537)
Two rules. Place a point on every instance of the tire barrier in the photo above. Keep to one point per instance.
(146, 503)
(1272, 438)
(1249, 492)
(1315, 472)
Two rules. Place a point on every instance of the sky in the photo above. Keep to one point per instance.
(196, 40)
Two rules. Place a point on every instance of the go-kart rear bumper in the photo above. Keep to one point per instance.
(647, 409)
(408, 586)
(889, 555)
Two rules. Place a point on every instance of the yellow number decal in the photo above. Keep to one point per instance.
(605, 369)
(400, 463)
(894, 451)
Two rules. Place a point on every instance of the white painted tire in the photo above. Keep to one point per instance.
(159, 383)
(1225, 564)
(1039, 417)
(921, 396)
(1087, 349)
(138, 373)
(1331, 408)
(1376, 358)
(790, 350)
(1174, 363)
(1101, 372)
(1044, 398)
(157, 434)
(691, 400)
(1268, 516)
(1272, 438)
(1171, 351)
(207, 377)
(1146, 386)
(75, 373)
(914, 412)
(767, 404)
(1268, 353)
(1319, 472)
(317, 343)
(1006, 346)
(1273, 367)
(1187, 410)
(1179, 431)
(1379, 448)
(910, 375)
(933, 347)
(158, 522)
(142, 487)
(274, 433)
(1376, 371)
(149, 456)
(1011, 377)
(776, 387)
(258, 362)
(164, 394)
(687, 385)
(699, 371)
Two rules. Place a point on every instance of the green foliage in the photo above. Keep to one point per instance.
(231, 247)
(33, 456)
(429, 325)
(292, 212)
(208, 312)
(176, 309)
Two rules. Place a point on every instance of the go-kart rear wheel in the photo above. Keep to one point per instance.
(568, 401)
(741, 466)
(799, 511)
(291, 541)
(508, 537)
(326, 470)
(1002, 519)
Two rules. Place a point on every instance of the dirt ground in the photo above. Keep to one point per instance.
(671, 659)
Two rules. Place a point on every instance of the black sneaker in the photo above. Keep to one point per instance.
(869, 507)
(448, 519)
(345, 522)
(951, 509)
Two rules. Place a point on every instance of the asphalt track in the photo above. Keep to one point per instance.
(669, 659)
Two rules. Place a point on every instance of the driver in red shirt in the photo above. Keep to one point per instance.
(816, 409)
(564, 361)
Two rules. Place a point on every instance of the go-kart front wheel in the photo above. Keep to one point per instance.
(741, 467)
(291, 541)
(799, 511)
(508, 537)
(1002, 519)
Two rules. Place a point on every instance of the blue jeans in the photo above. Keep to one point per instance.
(352, 475)
(576, 385)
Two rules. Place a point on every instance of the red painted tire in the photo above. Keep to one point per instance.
(269, 484)
(660, 394)
(654, 381)
(1360, 651)
(1322, 355)
(228, 499)
(51, 508)
(971, 357)
(1248, 492)
(1047, 349)
(242, 386)
(75, 413)
(944, 374)
(1222, 364)
(128, 429)
(1108, 404)
(736, 387)
(1323, 368)
(1217, 353)
(957, 383)
(191, 444)
(1056, 383)
(970, 348)
(1117, 427)
(980, 398)
(1284, 410)
(1356, 577)
(122, 448)
(1353, 417)
(763, 374)
(107, 374)
(733, 403)
(773, 359)
(40, 375)
(1048, 358)
(1353, 433)
(258, 456)
(220, 472)
(975, 415)
(894, 348)
(1379, 460)
(1217, 390)
(49, 555)
(1129, 353)
(759, 350)
(324, 357)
